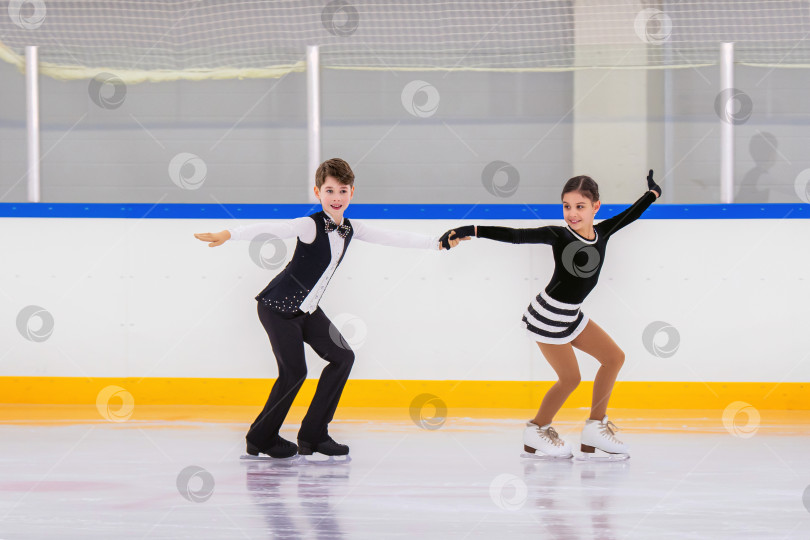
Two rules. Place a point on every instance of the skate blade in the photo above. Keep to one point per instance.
(544, 457)
(601, 456)
(320, 459)
(291, 459)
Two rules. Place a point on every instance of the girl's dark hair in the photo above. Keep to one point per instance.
(337, 169)
(585, 185)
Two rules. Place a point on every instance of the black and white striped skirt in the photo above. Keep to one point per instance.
(551, 321)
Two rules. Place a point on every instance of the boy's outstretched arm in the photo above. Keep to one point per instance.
(395, 238)
(303, 228)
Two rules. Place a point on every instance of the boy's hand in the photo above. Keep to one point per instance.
(215, 239)
(456, 241)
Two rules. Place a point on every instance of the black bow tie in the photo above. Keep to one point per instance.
(343, 230)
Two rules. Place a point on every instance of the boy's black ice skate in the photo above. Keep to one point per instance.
(328, 448)
(280, 449)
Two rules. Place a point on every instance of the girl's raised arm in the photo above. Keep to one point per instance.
(629, 215)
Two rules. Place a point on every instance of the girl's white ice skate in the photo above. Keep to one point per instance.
(601, 435)
(543, 442)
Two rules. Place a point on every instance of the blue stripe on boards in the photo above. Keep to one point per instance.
(455, 212)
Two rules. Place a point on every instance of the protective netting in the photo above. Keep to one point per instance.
(192, 39)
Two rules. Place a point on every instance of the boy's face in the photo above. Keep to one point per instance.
(334, 197)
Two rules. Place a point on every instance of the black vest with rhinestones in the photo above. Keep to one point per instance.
(288, 290)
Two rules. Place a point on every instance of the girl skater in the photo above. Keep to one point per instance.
(288, 310)
(554, 320)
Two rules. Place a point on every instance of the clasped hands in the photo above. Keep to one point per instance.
(453, 237)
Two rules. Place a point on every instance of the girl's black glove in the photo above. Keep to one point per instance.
(458, 232)
(652, 185)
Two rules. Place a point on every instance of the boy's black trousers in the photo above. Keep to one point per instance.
(288, 333)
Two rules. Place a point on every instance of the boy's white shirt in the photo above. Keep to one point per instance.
(304, 228)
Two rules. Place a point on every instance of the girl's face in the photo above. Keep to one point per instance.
(334, 197)
(579, 211)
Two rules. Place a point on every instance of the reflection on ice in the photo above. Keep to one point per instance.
(467, 479)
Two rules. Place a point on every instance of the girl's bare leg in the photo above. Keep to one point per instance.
(596, 342)
(564, 362)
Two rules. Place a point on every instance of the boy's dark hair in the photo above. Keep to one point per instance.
(585, 185)
(337, 169)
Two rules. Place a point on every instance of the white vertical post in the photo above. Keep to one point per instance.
(726, 126)
(313, 116)
(666, 180)
(32, 120)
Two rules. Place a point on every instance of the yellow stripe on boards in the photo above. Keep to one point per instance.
(391, 393)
